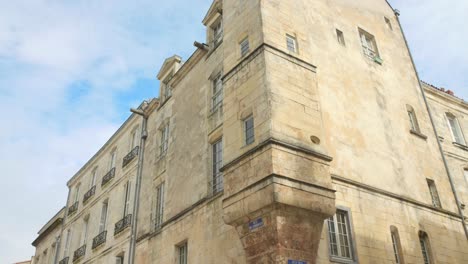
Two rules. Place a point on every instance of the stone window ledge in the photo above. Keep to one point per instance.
(418, 134)
(460, 146)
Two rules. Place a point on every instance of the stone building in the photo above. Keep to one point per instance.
(46, 242)
(298, 134)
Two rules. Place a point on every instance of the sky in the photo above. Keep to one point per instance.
(70, 71)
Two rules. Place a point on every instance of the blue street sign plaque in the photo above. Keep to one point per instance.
(296, 262)
(256, 224)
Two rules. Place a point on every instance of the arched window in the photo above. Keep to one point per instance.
(414, 125)
(425, 247)
(397, 249)
(455, 128)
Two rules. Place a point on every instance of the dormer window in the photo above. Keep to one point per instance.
(217, 31)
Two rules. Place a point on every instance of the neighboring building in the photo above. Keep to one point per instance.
(46, 242)
(298, 134)
(451, 120)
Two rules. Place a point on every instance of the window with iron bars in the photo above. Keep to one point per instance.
(339, 230)
(217, 177)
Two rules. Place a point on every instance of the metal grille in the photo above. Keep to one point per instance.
(122, 224)
(79, 253)
(217, 149)
(64, 261)
(339, 233)
(89, 194)
(73, 208)
(99, 239)
(130, 156)
(424, 250)
(291, 43)
(108, 177)
(245, 47)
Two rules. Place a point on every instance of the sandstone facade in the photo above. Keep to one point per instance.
(298, 134)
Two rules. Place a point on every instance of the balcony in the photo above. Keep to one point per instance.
(64, 261)
(79, 253)
(122, 224)
(73, 208)
(130, 156)
(99, 239)
(108, 177)
(89, 194)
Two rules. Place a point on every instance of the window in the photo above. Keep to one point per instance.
(369, 46)
(455, 128)
(434, 193)
(465, 172)
(396, 245)
(217, 148)
(217, 99)
(85, 230)
(249, 130)
(414, 126)
(52, 255)
(119, 260)
(164, 140)
(77, 193)
(425, 247)
(291, 43)
(128, 187)
(103, 222)
(159, 212)
(112, 159)
(67, 243)
(339, 230)
(217, 32)
(182, 252)
(134, 139)
(340, 37)
(166, 88)
(389, 24)
(92, 183)
(244, 46)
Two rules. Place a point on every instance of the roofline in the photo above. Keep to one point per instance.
(435, 90)
(116, 133)
(49, 226)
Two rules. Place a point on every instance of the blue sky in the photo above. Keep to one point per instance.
(70, 70)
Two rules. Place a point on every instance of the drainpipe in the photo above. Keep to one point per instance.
(452, 185)
(136, 198)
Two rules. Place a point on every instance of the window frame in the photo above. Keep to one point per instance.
(352, 248)
(159, 210)
(455, 130)
(217, 31)
(413, 119)
(92, 183)
(217, 92)
(340, 37)
(434, 193)
(244, 46)
(113, 157)
(426, 249)
(85, 230)
(388, 23)
(104, 216)
(164, 140)
(127, 199)
(182, 248)
(246, 129)
(291, 39)
(396, 245)
(217, 180)
(368, 44)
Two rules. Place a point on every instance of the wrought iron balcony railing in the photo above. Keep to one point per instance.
(89, 194)
(108, 177)
(122, 224)
(99, 239)
(73, 208)
(130, 156)
(64, 261)
(79, 253)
